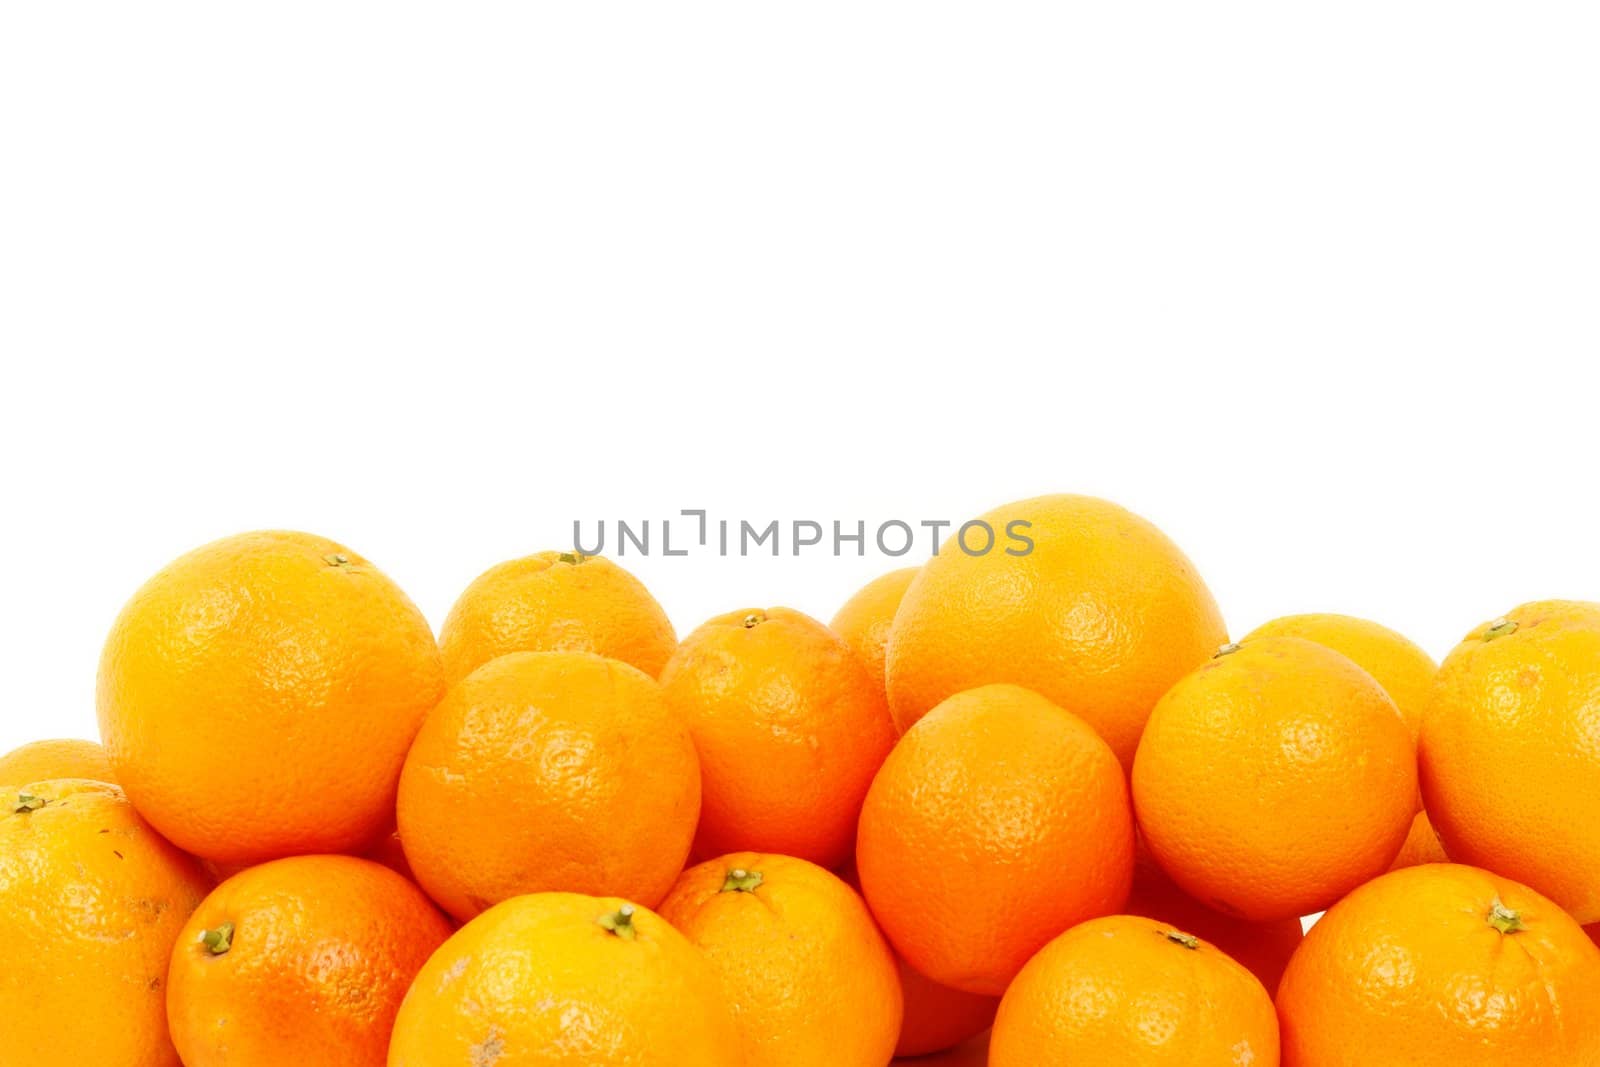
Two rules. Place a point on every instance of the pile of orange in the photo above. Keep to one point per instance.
(1018, 809)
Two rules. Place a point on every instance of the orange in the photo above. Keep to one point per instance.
(1275, 779)
(790, 728)
(1102, 616)
(1127, 991)
(549, 771)
(258, 695)
(1442, 965)
(938, 1017)
(93, 899)
(998, 821)
(865, 619)
(1422, 845)
(809, 976)
(1510, 751)
(42, 761)
(300, 961)
(556, 602)
(1262, 948)
(559, 979)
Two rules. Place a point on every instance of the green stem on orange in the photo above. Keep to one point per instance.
(572, 557)
(336, 559)
(1501, 627)
(27, 802)
(754, 619)
(1227, 650)
(1188, 941)
(740, 880)
(1503, 918)
(219, 940)
(620, 922)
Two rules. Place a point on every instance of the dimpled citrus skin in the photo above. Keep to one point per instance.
(91, 900)
(1422, 845)
(790, 728)
(1261, 948)
(1409, 971)
(810, 978)
(1127, 991)
(258, 695)
(556, 602)
(540, 981)
(1274, 780)
(865, 619)
(1102, 616)
(998, 821)
(322, 950)
(43, 760)
(938, 1017)
(549, 771)
(1510, 752)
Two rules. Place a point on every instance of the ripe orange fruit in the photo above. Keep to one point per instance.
(1101, 617)
(1510, 751)
(42, 761)
(1422, 845)
(998, 821)
(1262, 948)
(810, 978)
(556, 979)
(258, 695)
(1442, 965)
(938, 1017)
(1275, 779)
(1126, 991)
(556, 602)
(790, 728)
(93, 900)
(549, 771)
(301, 961)
(865, 619)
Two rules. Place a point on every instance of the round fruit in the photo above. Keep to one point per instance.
(1510, 751)
(549, 771)
(301, 961)
(865, 619)
(1101, 616)
(1442, 965)
(810, 978)
(91, 900)
(1262, 948)
(42, 761)
(998, 821)
(556, 979)
(1275, 779)
(556, 602)
(790, 728)
(257, 697)
(938, 1017)
(1422, 845)
(1127, 991)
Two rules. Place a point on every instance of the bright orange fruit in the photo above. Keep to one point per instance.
(1422, 845)
(93, 900)
(1101, 617)
(865, 619)
(1510, 751)
(545, 771)
(42, 761)
(559, 979)
(1275, 779)
(810, 978)
(1442, 966)
(1127, 991)
(790, 728)
(300, 961)
(258, 695)
(998, 821)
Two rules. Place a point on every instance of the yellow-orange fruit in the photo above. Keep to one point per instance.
(938, 1017)
(1422, 845)
(42, 761)
(864, 620)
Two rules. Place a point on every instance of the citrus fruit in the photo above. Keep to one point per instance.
(998, 821)
(545, 771)
(1275, 779)
(560, 979)
(938, 1017)
(556, 602)
(790, 728)
(41, 761)
(1262, 948)
(1510, 751)
(299, 961)
(1127, 991)
(91, 900)
(810, 978)
(1421, 846)
(865, 619)
(257, 697)
(1442, 965)
(1102, 616)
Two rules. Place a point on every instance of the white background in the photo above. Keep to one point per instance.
(1314, 287)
